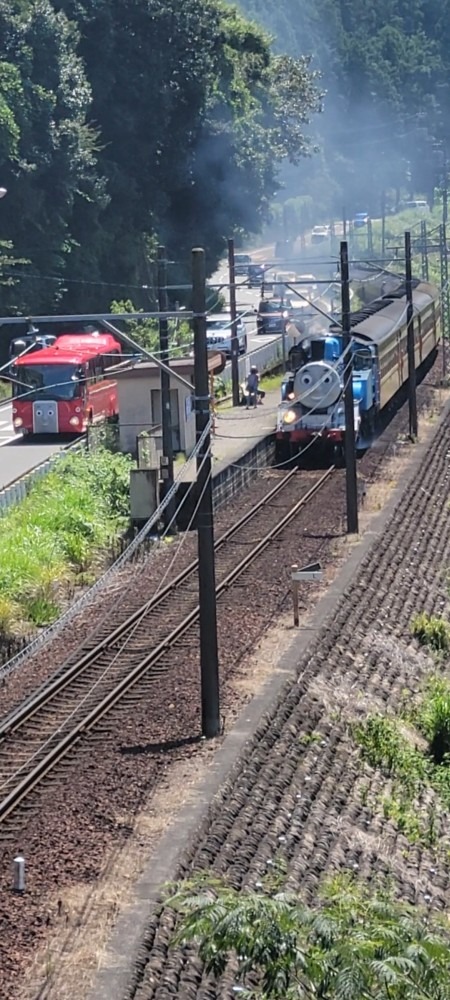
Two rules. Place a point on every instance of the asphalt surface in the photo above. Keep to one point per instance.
(17, 456)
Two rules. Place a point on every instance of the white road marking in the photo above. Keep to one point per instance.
(15, 437)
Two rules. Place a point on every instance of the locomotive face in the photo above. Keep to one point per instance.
(317, 385)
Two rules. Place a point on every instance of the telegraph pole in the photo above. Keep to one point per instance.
(370, 237)
(350, 444)
(209, 655)
(383, 225)
(166, 415)
(233, 314)
(445, 190)
(413, 428)
(445, 300)
(424, 249)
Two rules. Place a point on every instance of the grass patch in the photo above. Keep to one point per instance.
(431, 632)
(51, 539)
(271, 382)
(416, 758)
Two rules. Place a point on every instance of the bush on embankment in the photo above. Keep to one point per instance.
(50, 541)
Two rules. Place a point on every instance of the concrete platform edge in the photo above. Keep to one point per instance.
(114, 980)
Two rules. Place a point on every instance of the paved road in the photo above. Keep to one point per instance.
(17, 456)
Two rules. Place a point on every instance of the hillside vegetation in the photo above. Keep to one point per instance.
(386, 70)
(125, 122)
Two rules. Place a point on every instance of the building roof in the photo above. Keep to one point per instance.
(183, 366)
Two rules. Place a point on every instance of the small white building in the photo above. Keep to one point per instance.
(139, 398)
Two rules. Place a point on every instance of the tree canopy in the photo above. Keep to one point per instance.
(386, 71)
(127, 123)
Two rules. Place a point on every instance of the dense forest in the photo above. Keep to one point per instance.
(386, 71)
(124, 123)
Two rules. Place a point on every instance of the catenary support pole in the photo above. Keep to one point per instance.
(412, 399)
(445, 300)
(383, 225)
(166, 415)
(424, 249)
(209, 656)
(350, 444)
(233, 314)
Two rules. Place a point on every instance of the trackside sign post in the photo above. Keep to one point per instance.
(311, 572)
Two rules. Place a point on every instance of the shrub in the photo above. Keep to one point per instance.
(432, 632)
(67, 518)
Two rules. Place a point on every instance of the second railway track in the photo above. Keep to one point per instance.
(40, 732)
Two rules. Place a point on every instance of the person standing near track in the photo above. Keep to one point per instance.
(252, 387)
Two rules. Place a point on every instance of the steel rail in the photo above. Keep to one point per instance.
(26, 785)
(40, 698)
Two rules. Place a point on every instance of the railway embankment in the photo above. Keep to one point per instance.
(339, 773)
(109, 804)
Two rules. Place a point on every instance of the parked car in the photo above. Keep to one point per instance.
(284, 249)
(320, 234)
(361, 219)
(417, 206)
(242, 262)
(255, 275)
(272, 316)
(219, 333)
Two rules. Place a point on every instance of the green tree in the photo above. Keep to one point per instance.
(357, 943)
(47, 147)
(194, 113)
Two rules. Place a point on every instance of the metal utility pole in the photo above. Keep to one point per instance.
(413, 427)
(166, 415)
(370, 237)
(350, 444)
(233, 314)
(344, 222)
(445, 190)
(424, 249)
(209, 655)
(445, 300)
(383, 225)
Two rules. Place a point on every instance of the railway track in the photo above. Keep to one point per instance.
(41, 731)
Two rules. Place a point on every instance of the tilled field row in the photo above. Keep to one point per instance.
(297, 794)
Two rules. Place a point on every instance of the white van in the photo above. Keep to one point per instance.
(418, 206)
(281, 281)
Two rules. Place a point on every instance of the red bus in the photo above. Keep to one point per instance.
(63, 388)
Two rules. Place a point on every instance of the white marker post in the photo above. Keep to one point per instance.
(19, 874)
(311, 572)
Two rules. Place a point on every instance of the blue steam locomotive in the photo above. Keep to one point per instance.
(312, 407)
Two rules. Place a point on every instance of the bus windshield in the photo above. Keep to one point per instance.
(46, 381)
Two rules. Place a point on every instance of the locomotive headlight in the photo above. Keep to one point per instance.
(289, 417)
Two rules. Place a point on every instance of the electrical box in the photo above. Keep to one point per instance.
(144, 493)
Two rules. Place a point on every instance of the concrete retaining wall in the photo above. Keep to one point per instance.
(232, 478)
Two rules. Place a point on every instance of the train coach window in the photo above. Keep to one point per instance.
(362, 360)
